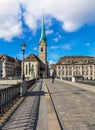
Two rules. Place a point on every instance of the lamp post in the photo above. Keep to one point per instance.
(36, 72)
(23, 46)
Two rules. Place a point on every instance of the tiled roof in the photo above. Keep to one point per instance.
(32, 57)
(76, 60)
(8, 58)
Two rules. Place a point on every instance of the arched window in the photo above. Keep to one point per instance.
(26, 69)
(41, 49)
(29, 67)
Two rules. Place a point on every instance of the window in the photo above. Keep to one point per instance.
(82, 72)
(33, 66)
(66, 72)
(62, 72)
(90, 67)
(91, 72)
(41, 49)
(59, 73)
(26, 69)
(70, 72)
(66, 67)
(82, 67)
(87, 72)
(76, 67)
(29, 67)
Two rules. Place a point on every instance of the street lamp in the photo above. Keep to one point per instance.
(36, 72)
(23, 46)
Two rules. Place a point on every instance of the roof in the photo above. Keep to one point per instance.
(32, 57)
(43, 35)
(74, 57)
(8, 58)
(76, 60)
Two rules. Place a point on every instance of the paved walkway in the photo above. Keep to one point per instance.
(26, 116)
(36, 112)
(75, 104)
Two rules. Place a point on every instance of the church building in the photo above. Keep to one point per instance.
(37, 66)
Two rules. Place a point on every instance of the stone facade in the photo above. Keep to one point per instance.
(76, 66)
(11, 67)
(31, 66)
(43, 52)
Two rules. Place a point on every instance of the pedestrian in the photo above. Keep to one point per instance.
(53, 75)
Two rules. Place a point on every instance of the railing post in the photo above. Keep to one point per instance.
(23, 88)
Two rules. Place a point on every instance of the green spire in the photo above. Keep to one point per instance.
(43, 36)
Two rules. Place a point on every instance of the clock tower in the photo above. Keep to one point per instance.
(43, 45)
(43, 49)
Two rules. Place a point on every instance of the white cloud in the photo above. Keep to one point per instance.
(54, 47)
(48, 32)
(63, 47)
(52, 62)
(56, 39)
(58, 36)
(87, 44)
(10, 19)
(73, 14)
(66, 47)
(35, 48)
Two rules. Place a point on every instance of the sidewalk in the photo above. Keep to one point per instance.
(26, 115)
(36, 112)
(75, 104)
(80, 85)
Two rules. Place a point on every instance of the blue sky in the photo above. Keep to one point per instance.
(69, 24)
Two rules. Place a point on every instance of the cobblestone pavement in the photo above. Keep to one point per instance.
(75, 105)
(26, 116)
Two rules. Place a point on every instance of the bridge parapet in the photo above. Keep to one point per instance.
(10, 94)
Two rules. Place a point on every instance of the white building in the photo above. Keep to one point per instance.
(77, 66)
(9, 66)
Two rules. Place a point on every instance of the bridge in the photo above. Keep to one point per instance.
(46, 106)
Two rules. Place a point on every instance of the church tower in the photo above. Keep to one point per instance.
(43, 45)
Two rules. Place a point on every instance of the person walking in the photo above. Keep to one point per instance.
(53, 75)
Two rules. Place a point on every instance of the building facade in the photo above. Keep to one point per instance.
(31, 66)
(9, 67)
(76, 66)
(51, 68)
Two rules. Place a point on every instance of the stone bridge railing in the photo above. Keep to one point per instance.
(10, 94)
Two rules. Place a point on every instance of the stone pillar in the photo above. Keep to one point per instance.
(23, 88)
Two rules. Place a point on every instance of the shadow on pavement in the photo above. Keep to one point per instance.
(26, 116)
